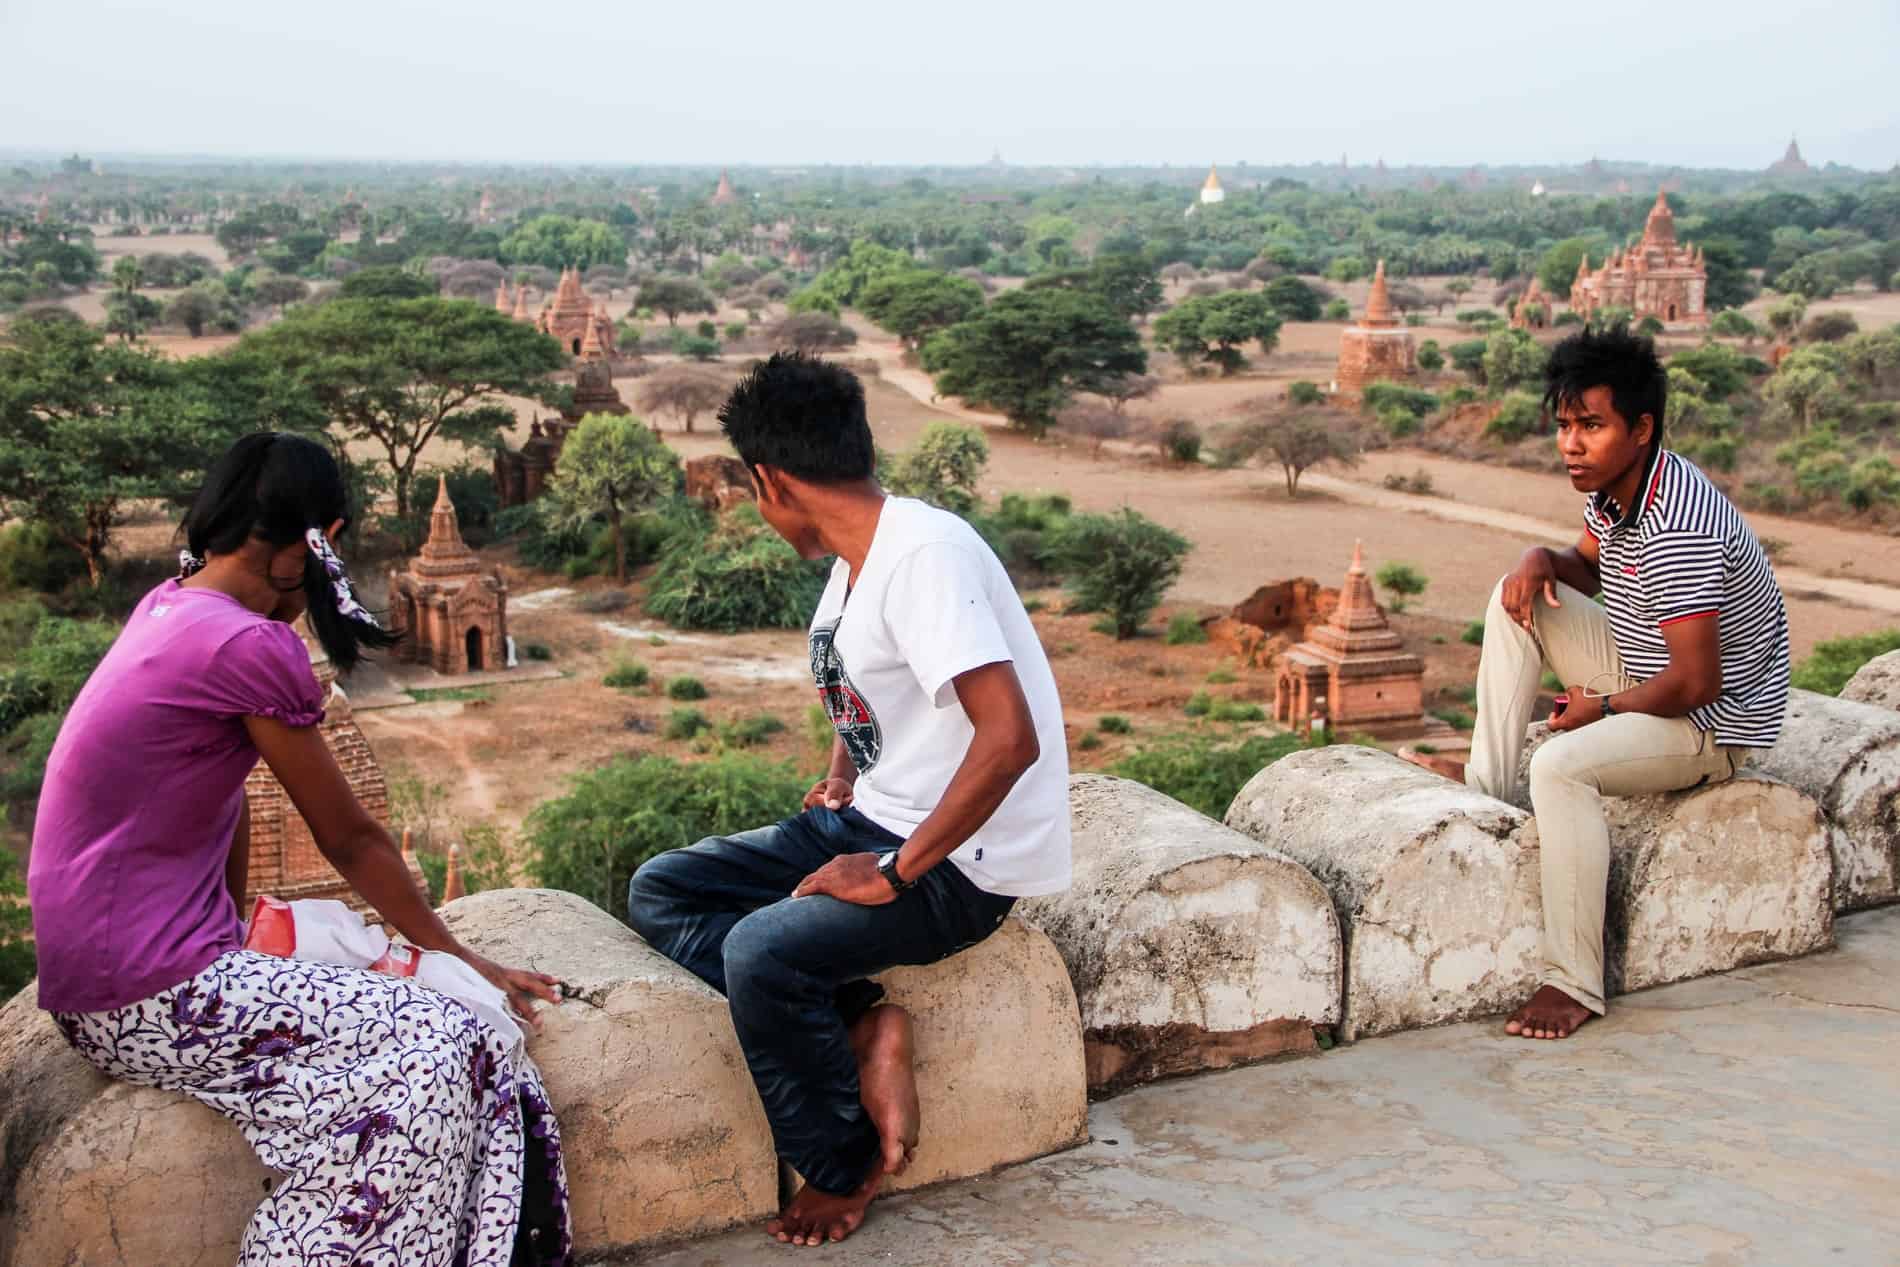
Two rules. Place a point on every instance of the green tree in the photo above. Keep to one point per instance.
(1031, 351)
(811, 332)
(1806, 385)
(1214, 328)
(1297, 440)
(917, 302)
(612, 465)
(942, 468)
(130, 314)
(193, 309)
(1402, 581)
(387, 282)
(1558, 267)
(673, 296)
(1294, 300)
(276, 289)
(844, 282)
(1121, 564)
(1347, 268)
(1126, 281)
(683, 390)
(88, 427)
(564, 242)
(401, 373)
(1733, 324)
(1512, 359)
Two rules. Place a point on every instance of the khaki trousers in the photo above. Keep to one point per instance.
(1625, 755)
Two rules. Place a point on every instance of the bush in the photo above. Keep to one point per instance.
(537, 651)
(942, 468)
(1184, 630)
(613, 818)
(1200, 704)
(1337, 310)
(1456, 718)
(751, 732)
(1114, 724)
(1838, 659)
(736, 575)
(1733, 324)
(1222, 677)
(1302, 392)
(1473, 634)
(1024, 531)
(1121, 564)
(32, 557)
(17, 962)
(1380, 397)
(685, 723)
(1431, 358)
(1234, 710)
(1180, 441)
(685, 688)
(1519, 414)
(1201, 773)
(1403, 582)
(627, 675)
(1089, 742)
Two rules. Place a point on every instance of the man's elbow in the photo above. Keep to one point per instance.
(1020, 750)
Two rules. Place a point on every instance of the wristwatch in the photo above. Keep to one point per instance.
(887, 867)
(1609, 709)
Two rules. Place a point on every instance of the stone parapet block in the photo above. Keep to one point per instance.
(1439, 894)
(1877, 682)
(1191, 947)
(1436, 895)
(1846, 755)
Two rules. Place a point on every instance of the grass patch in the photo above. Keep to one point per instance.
(685, 723)
(1236, 710)
(1114, 724)
(1473, 634)
(685, 688)
(1184, 631)
(1199, 705)
(1198, 771)
(1222, 677)
(1456, 718)
(464, 694)
(1837, 660)
(1089, 742)
(751, 732)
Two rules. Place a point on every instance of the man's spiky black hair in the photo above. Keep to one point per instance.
(1625, 363)
(802, 415)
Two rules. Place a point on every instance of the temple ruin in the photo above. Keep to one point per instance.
(1790, 163)
(1377, 347)
(569, 315)
(1352, 669)
(1657, 277)
(452, 614)
(1532, 311)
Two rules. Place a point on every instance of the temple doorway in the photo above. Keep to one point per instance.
(1671, 314)
(577, 347)
(474, 645)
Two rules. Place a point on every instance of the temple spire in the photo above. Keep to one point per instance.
(1379, 302)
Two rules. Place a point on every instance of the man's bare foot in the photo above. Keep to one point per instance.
(1450, 767)
(1550, 1014)
(887, 1081)
(814, 1217)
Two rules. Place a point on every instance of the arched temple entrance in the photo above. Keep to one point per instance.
(473, 643)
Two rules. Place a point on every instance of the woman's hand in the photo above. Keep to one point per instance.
(521, 986)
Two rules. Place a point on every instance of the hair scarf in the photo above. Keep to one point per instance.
(190, 564)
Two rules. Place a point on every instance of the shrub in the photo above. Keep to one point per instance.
(751, 732)
(1302, 392)
(1833, 662)
(33, 557)
(1456, 718)
(1114, 724)
(1089, 742)
(1200, 704)
(1180, 440)
(1431, 358)
(685, 723)
(1337, 310)
(942, 468)
(1234, 710)
(1403, 582)
(1121, 564)
(1382, 396)
(1519, 414)
(1473, 634)
(1201, 773)
(685, 688)
(735, 331)
(613, 818)
(1221, 677)
(1024, 530)
(17, 962)
(537, 651)
(736, 575)
(1829, 327)
(1184, 630)
(1733, 324)
(627, 675)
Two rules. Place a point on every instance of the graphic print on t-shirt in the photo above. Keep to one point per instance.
(850, 715)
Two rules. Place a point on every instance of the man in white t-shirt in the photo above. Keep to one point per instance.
(946, 799)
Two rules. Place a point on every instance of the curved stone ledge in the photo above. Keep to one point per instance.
(1438, 889)
(1846, 755)
(663, 1131)
(1191, 947)
(1877, 682)
(1436, 896)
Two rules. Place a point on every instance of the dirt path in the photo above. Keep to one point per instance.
(473, 790)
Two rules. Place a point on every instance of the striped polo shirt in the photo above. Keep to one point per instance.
(1684, 553)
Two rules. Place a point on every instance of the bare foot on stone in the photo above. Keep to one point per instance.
(1550, 1014)
(887, 1081)
(815, 1218)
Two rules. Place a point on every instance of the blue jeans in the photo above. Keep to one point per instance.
(794, 970)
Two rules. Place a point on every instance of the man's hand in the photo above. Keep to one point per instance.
(521, 986)
(1579, 712)
(849, 877)
(1533, 575)
(830, 793)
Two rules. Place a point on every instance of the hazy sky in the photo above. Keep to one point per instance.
(610, 81)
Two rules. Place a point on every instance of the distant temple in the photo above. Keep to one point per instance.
(725, 195)
(1378, 347)
(1352, 668)
(1533, 308)
(1657, 277)
(569, 316)
(450, 613)
(1791, 163)
(1211, 191)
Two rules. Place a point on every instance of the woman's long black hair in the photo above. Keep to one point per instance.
(275, 487)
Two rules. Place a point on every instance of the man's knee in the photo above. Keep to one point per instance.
(753, 954)
(655, 890)
(1562, 759)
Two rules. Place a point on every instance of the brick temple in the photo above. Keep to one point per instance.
(569, 315)
(1657, 277)
(451, 612)
(1352, 668)
(1378, 346)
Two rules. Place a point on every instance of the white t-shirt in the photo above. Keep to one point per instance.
(933, 603)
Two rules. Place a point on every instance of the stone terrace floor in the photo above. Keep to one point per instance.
(1752, 1118)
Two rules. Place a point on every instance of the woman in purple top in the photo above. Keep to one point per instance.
(409, 1132)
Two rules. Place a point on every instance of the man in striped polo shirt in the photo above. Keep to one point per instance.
(1669, 682)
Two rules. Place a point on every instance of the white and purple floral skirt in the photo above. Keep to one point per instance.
(408, 1134)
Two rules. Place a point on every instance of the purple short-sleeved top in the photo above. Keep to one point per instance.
(142, 794)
